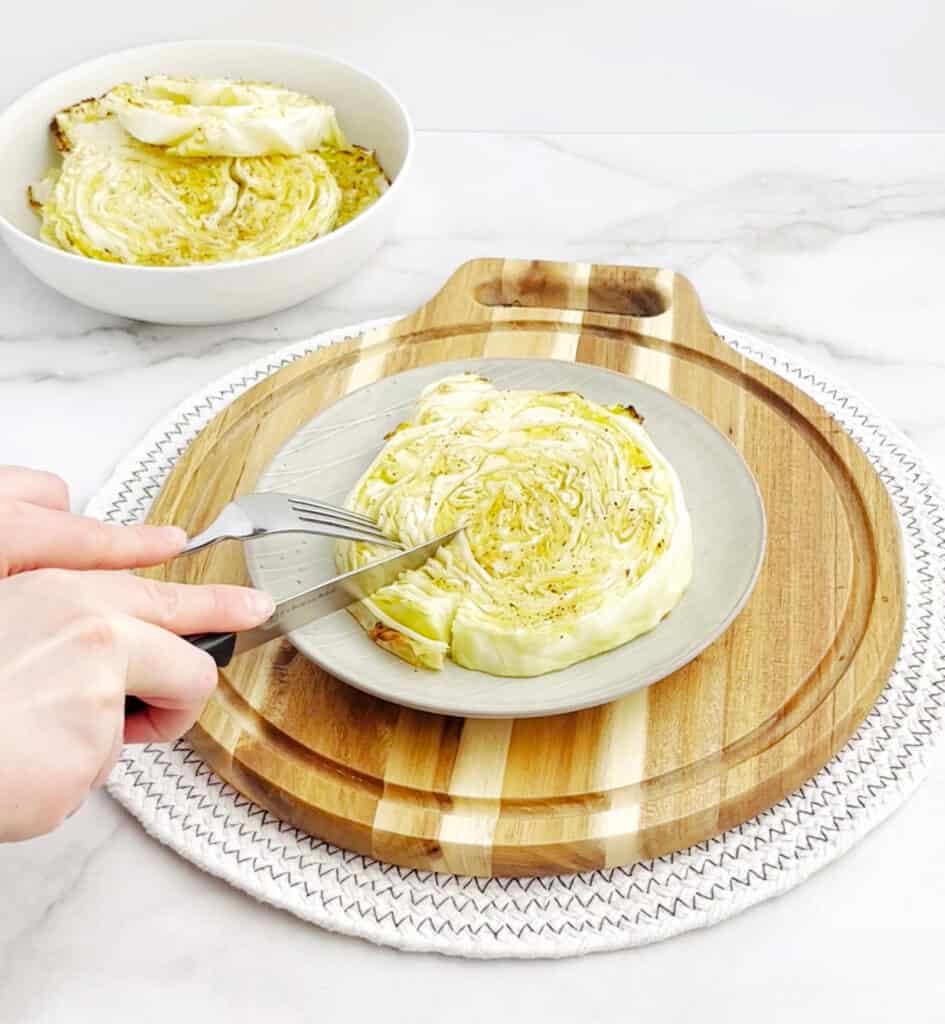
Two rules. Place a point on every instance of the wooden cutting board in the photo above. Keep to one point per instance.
(705, 749)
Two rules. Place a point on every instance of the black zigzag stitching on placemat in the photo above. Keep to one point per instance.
(807, 820)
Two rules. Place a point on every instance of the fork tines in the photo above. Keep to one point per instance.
(320, 513)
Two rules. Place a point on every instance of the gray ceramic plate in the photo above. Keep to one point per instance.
(327, 456)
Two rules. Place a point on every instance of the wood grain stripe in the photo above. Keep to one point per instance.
(467, 833)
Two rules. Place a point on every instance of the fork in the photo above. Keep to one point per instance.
(258, 515)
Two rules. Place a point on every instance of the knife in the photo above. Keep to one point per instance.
(311, 604)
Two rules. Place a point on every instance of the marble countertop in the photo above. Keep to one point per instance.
(829, 245)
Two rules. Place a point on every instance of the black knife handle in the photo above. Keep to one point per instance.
(219, 646)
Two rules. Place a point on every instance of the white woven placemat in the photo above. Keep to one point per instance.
(183, 804)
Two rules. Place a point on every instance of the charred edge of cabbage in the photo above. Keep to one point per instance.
(406, 425)
(59, 136)
(395, 642)
(633, 414)
(627, 410)
(371, 154)
(57, 126)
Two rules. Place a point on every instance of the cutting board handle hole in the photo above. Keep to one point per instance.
(620, 295)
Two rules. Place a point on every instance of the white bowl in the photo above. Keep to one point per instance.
(369, 113)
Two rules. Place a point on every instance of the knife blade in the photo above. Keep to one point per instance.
(333, 595)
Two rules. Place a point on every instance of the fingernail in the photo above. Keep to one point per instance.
(260, 603)
(175, 535)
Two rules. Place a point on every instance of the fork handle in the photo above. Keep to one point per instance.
(209, 536)
(231, 524)
(219, 646)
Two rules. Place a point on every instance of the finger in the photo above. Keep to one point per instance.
(172, 677)
(37, 538)
(34, 486)
(159, 725)
(179, 607)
